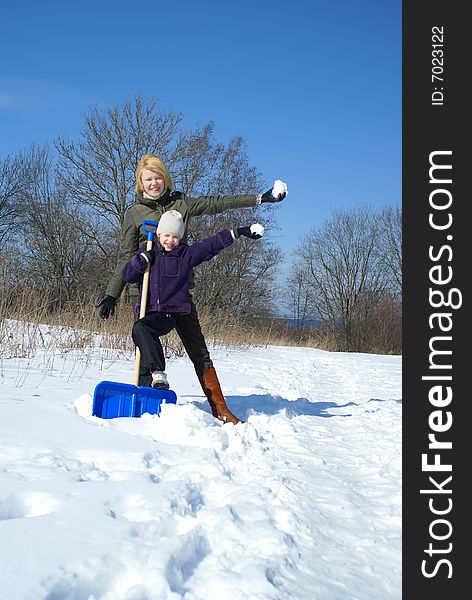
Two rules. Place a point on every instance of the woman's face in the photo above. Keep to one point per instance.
(153, 184)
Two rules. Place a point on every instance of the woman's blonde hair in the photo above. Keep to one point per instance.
(155, 164)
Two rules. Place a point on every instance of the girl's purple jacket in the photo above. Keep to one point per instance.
(169, 274)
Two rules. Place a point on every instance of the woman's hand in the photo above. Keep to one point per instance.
(276, 193)
(107, 306)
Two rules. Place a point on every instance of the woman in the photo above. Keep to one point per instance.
(154, 197)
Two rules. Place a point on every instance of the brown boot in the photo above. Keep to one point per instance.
(212, 389)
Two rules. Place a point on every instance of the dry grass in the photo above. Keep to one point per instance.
(77, 327)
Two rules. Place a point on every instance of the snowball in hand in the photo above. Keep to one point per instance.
(258, 229)
(279, 187)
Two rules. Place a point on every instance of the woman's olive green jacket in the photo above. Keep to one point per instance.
(133, 236)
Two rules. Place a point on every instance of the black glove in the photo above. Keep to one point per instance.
(148, 257)
(246, 231)
(107, 306)
(267, 196)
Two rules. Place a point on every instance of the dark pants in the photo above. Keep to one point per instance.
(146, 333)
(190, 332)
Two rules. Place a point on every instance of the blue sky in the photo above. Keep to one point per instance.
(313, 86)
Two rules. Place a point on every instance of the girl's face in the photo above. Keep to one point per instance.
(153, 183)
(169, 241)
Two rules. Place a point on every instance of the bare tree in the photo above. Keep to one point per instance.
(225, 170)
(52, 250)
(300, 300)
(11, 173)
(390, 246)
(98, 169)
(343, 266)
(78, 190)
(241, 280)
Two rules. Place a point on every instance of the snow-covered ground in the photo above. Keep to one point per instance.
(301, 502)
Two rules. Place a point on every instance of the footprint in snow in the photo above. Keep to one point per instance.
(185, 560)
(134, 508)
(27, 504)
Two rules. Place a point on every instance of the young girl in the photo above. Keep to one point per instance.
(171, 263)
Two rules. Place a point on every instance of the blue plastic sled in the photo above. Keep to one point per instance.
(111, 400)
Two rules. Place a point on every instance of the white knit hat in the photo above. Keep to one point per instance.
(171, 222)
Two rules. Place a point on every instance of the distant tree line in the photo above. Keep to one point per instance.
(347, 277)
(62, 205)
